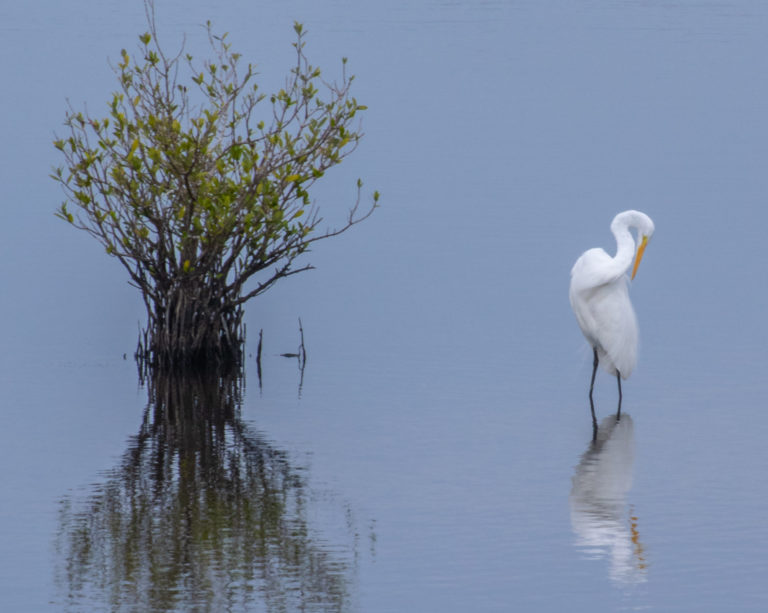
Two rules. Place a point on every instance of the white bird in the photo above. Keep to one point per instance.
(600, 299)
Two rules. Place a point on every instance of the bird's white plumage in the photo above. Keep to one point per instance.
(599, 296)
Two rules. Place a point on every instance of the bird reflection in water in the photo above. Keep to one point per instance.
(202, 513)
(603, 523)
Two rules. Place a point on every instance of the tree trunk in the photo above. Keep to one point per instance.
(188, 329)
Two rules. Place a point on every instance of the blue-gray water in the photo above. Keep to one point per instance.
(437, 454)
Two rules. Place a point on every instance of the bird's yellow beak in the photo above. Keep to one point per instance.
(639, 255)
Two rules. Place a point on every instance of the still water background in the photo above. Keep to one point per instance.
(435, 455)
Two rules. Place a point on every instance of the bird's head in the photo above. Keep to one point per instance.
(645, 229)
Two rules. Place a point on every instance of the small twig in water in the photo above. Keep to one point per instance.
(258, 355)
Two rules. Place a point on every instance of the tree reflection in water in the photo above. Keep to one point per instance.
(201, 514)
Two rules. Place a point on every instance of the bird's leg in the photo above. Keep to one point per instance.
(594, 371)
(618, 378)
(591, 402)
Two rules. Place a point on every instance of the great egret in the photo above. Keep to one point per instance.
(600, 299)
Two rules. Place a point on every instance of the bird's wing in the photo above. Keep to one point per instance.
(600, 301)
(614, 326)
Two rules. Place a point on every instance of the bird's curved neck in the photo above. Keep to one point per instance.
(625, 248)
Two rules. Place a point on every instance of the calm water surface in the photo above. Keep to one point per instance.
(435, 453)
